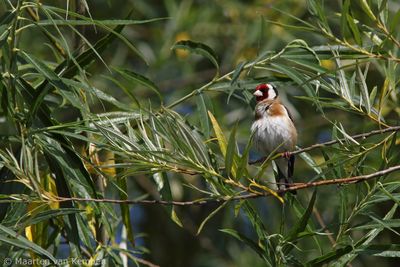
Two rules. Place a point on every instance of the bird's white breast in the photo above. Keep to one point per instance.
(271, 132)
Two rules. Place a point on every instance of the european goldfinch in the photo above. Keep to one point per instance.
(274, 131)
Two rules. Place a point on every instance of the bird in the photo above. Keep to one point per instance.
(274, 131)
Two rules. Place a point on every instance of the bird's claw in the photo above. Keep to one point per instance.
(286, 155)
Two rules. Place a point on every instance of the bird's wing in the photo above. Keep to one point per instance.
(289, 114)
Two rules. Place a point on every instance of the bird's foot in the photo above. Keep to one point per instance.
(286, 154)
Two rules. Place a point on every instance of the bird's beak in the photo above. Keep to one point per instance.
(258, 93)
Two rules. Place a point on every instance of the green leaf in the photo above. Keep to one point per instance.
(81, 22)
(138, 78)
(366, 240)
(44, 70)
(237, 72)
(244, 239)
(337, 253)
(47, 215)
(380, 250)
(96, 92)
(231, 153)
(354, 29)
(125, 211)
(343, 17)
(164, 187)
(115, 32)
(202, 114)
(203, 223)
(126, 90)
(199, 48)
(13, 238)
(301, 225)
(67, 69)
(373, 95)
(367, 9)
(392, 223)
(364, 89)
(311, 163)
(242, 165)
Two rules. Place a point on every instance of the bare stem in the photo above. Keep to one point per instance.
(292, 187)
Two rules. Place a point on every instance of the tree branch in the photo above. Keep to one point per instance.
(357, 136)
(297, 186)
(332, 142)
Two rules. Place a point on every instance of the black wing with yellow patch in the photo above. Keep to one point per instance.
(289, 114)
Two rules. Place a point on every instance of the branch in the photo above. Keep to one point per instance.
(332, 142)
(357, 136)
(297, 186)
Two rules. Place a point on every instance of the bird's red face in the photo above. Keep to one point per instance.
(265, 91)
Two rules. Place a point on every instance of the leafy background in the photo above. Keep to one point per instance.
(151, 100)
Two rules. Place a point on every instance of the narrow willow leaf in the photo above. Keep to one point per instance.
(218, 133)
(127, 90)
(175, 218)
(343, 210)
(114, 32)
(392, 223)
(296, 76)
(311, 163)
(343, 83)
(373, 95)
(248, 241)
(67, 69)
(46, 72)
(138, 78)
(125, 211)
(364, 89)
(231, 153)
(380, 250)
(367, 9)
(164, 188)
(395, 21)
(13, 238)
(63, 190)
(366, 240)
(237, 72)
(47, 215)
(242, 165)
(202, 114)
(301, 225)
(343, 18)
(354, 29)
(5, 24)
(337, 253)
(96, 92)
(203, 223)
(81, 22)
(199, 48)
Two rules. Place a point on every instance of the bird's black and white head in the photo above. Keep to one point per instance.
(265, 91)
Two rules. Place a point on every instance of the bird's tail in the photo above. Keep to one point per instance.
(286, 181)
(289, 180)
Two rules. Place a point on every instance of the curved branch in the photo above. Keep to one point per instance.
(332, 142)
(297, 186)
(357, 136)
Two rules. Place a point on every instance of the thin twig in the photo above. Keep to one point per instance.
(332, 142)
(294, 187)
(53, 41)
(357, 136)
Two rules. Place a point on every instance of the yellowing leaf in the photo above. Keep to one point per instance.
(29, 233)
(175, 218)
(218, 133)
(267, 189)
